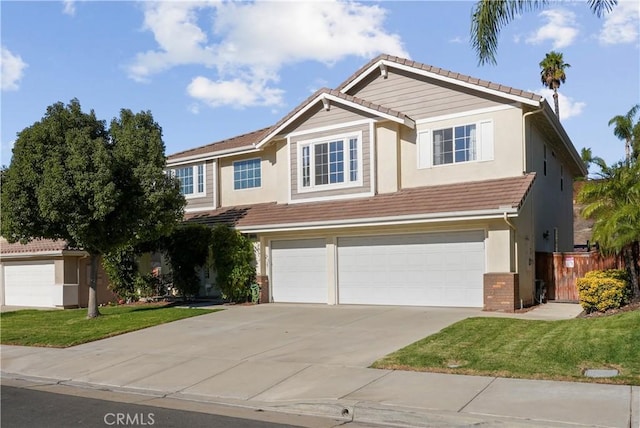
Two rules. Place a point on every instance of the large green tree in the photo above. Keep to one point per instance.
(490, 16)
(99, 189)
(552, 75)
(627, 131)
(613, 201)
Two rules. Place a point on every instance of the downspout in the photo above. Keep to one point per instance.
(515, 245)
(515, 241)
(524, 140)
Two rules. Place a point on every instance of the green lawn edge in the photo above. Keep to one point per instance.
(70, 327)
(528, 349)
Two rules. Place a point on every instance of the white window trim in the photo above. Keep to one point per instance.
(331, 186)
(259, 159)
(480, 156)
(195, 193)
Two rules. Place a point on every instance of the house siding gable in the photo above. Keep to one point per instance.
(365, 188)
(421, 97)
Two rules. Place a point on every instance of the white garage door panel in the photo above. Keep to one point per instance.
(29, 284)
(299, 271)
(437, 269)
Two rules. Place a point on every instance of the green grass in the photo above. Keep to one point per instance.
(69, 327)
(558, 350)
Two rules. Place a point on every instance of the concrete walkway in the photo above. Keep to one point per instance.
(313, 360)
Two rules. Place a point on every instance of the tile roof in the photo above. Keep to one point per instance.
(35, 246)
(244, 140)
(343, 96)
(252, 138)
(442, 72)
(431, 200)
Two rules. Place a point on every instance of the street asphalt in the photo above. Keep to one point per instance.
(313, 360)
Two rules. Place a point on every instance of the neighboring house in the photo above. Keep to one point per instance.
(406, 185)
(47, 273)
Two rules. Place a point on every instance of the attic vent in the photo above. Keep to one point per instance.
(383, 70)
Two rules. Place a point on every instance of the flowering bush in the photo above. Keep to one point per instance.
(602, 290)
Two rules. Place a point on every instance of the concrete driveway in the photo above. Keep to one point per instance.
(308, 359)
(306, 334)
(240, 352)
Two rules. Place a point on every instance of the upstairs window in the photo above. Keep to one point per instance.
(247, 174)
(333, 162)
(456, 144)
(192, 180)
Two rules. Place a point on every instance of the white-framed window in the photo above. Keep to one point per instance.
(468, 142)
(330, 162)
(192, 180)
(247, 174)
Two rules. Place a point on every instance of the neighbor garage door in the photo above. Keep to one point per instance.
(435, 269)
(299, 271)
(29, 284)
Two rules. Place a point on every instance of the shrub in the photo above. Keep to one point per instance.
(234, 261)
(602, 290)
(122, 270)
(187, 248)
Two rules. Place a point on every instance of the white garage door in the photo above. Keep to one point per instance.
(435, 269)
(29, 284)
(299, 271)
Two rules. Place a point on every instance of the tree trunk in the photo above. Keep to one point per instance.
(635, 270)
(556, 103)
(92, 308)
(631, 263)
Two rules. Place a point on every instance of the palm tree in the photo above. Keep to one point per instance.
(490, 16)
(624, 129)
(552, 74)
(613, 201)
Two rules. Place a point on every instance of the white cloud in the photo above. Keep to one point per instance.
(568, 106)
(69, 7)
(561, 28)
(457, 39)
(12, 69)
(236, 92)
(248, 43)
(621, 25)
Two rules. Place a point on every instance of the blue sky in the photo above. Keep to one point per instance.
(210, 70)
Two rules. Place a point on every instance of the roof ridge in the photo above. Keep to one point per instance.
(442, 72)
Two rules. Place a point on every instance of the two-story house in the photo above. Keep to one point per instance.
(406, 185)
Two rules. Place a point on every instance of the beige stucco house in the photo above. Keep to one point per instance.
(47, 273)
(406, 185)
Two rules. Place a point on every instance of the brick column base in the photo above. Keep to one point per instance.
(501, 292)
(263, 282)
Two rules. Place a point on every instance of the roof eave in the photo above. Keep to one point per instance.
(480, 88)
(385, 221)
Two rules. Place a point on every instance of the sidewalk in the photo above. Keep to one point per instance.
(334, 391)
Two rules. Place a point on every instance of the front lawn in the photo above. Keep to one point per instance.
(506, 347)
(69, 327)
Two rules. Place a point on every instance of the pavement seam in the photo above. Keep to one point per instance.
(367, 384)
(279, 382)
(475, 396)
(206, 379)
(630, 406)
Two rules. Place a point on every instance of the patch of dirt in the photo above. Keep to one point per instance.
(633, 306)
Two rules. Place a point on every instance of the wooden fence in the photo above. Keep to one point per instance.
(559, 271)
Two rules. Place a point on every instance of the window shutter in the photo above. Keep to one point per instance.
(424, 149)
(486, 141)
